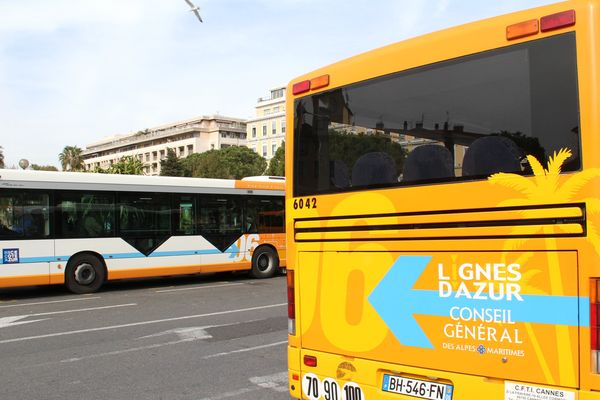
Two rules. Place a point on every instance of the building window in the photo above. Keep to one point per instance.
(264, 153)
(223, 134)
(190, 149)
(274, 128)
(253, 131)
(276, 109)
(275, 94)
(264, 130)
(273, 149)
(283, 126)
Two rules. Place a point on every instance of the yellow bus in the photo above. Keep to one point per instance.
(443, 215)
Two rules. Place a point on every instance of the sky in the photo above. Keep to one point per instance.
(75, 71)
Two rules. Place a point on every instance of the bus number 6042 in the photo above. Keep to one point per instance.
(309, 202)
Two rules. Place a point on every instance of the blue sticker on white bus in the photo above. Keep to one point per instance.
(10, 256)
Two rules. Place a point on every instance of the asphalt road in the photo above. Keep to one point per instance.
(200, 338)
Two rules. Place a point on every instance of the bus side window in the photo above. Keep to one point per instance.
(267, 215)
(251, 215)
(184, 213)
(11, 211)
(84, 214)
(36, 215)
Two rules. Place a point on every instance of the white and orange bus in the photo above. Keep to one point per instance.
(443, 215)
(82, 229)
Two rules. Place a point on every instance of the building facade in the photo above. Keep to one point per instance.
(195, 135)
(266, 131)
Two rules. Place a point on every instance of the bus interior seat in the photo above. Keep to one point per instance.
(340, 176)
(429, 161)
(491, 154)
(374, 168)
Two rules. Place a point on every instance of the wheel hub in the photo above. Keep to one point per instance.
(85, 274)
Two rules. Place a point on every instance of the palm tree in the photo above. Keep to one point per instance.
(127, 165)
(546, 188)
(71, 159)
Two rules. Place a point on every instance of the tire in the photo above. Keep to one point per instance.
(265, 262)
(85, 274)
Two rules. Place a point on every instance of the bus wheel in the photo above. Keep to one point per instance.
(84, 274)
(265, 262)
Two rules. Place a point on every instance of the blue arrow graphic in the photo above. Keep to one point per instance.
(234, 250)
(395, 300)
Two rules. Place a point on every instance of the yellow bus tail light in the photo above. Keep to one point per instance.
(557, 21)
(315, 83)
(291, 303)
(548, 23)
(522, 29)
(301, 87)
(594, 324)
(310, 361)
(319, 82)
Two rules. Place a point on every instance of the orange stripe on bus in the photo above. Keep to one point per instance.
(259, 185)
(180, 270)
(30, 280)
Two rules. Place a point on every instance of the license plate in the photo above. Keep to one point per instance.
(417, 388)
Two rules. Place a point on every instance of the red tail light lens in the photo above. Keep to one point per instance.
(301, 87)
(310, 361)
(557, 21)
(291, 303)
(594, 324)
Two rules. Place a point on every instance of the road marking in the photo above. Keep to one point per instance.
(185, 335)
(198, 287)
(104, 328)
(264, 346)
(81, 309)
(48, 302)
(196, 333)
(272, 382)
(119, 352)
(277, 382)
(12, 321)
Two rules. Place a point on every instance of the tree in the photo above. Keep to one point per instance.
(71, 159)
(204, 165)
(127, 165)
(1, 158)
(171, 165)
(191, 164)
(240, 162)
(229, 163)
(277, 163)
(37, 167)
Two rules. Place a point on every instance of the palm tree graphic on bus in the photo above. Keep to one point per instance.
(546, 188)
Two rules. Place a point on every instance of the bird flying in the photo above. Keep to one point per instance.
(194, 9)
